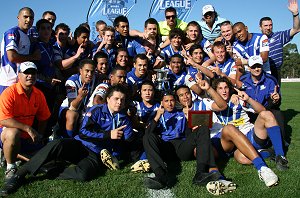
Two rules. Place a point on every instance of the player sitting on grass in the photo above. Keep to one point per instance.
(168, 137)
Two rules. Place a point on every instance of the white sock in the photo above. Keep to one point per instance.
(10, 166)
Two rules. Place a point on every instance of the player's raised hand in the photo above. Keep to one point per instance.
(117, 133)
(186, 110)
(83, 91)
(242, 95)
(293, 7)
(275, 95)
(203, 84)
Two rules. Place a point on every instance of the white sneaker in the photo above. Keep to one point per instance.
(220, 187)
(268, 176)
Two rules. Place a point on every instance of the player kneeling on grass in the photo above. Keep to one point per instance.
(264, 129)
(167, 136)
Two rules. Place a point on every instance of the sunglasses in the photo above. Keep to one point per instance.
(256, 66)
(29, 71)
(208, 14)
(171, 16)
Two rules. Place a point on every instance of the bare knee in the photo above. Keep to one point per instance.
(228, 131)
(267, 116)
(240, 158)
(10, 135)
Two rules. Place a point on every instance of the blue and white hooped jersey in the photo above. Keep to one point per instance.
(73, 84)
(228, 67)
(235, 115)
(13, 39)
(168, 52)
(257, 44)
(203, 104)
(180, 79)
(145, 113)
(206, 45)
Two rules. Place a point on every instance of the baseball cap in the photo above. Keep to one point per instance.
(100, 90)
(27, 65)
(255, 60)
(207, 8)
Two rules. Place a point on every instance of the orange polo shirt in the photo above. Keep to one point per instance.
(14, 103)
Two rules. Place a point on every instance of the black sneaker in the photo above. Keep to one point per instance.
(203, 178)
(281, 163)
(10, 173)
(11, 185)
(154, 183)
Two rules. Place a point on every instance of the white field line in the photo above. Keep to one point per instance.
(164, 193)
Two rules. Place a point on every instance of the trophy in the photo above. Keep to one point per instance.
(161, 79)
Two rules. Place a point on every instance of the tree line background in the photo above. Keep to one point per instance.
(291, 62)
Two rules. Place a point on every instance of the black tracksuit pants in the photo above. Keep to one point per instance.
(87, 163)
(158, 150)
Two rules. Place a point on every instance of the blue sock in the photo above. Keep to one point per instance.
(264, 154)
(275, 137)
(258, 163)
(143, 156)
(70, 133)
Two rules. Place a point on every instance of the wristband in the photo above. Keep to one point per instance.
(296, 15)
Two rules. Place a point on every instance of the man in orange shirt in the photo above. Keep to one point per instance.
(20, 104)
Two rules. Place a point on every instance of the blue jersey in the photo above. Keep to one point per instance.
(131, 44)
(73, 84)
(228, 67)
(111, 57)
(46, 67)
(145, 113)
(13, 39)
(257, 44)
(168, 51)
(172, 125)
(261, 91)
(32, 32)
(96, 126)
(182, 78)
(59, 52)
(204, 104)
(132, 79)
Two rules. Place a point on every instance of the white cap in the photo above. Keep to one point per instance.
(27, 65)
(207, 8)
(100, 90)
(255, 60)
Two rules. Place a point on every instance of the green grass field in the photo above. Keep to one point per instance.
(125, 184)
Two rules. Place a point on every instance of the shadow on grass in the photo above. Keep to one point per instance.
(289, 114)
